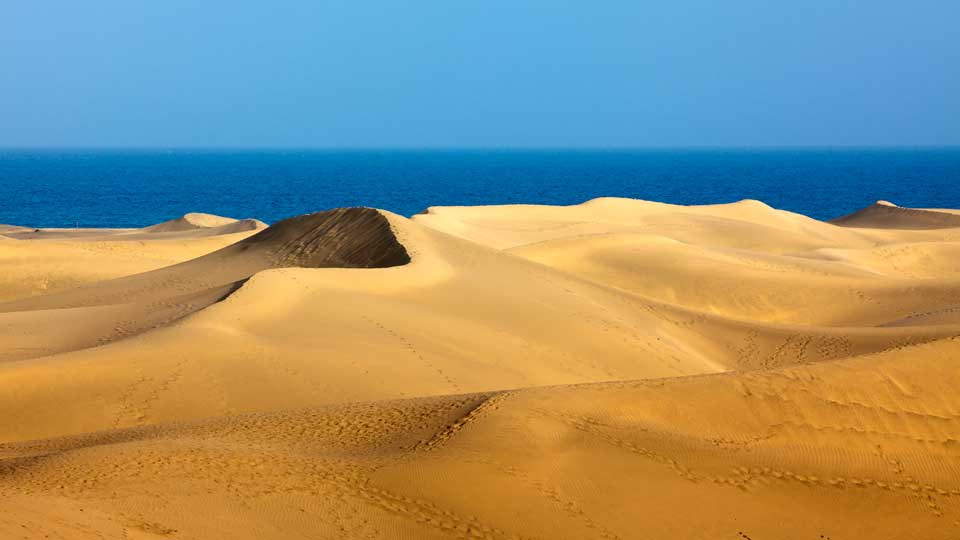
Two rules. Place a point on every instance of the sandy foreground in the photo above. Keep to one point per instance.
(617, 369)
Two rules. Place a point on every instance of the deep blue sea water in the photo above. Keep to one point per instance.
(138, 188)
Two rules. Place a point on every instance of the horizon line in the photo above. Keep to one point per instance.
(470, 148)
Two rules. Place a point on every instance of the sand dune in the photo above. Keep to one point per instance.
(311, 241)
(157, 298)
(886, 215)
(191, 225)
(206, 222)
(615, 369)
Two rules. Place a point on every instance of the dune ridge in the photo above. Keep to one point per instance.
(615, 369)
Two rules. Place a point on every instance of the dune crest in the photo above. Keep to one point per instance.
(344, 238)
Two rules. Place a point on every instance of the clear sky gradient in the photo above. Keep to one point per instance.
(491, 73)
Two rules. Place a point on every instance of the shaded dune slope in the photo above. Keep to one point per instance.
(341, 238)
(885, 215)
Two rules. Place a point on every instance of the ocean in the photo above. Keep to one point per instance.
(138, 188)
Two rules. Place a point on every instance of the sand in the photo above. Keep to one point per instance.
(615, 369)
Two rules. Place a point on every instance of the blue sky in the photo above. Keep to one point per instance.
(315, 73)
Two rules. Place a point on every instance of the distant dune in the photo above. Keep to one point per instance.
(885, 215)
(191, 225)
(209, 222)
(59, 259)
(616, 369)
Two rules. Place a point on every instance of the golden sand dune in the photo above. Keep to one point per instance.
(616, 369)
(118, 308)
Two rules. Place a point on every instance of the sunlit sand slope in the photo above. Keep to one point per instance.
(743, 260)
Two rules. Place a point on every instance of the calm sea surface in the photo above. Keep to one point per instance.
(137, 188)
